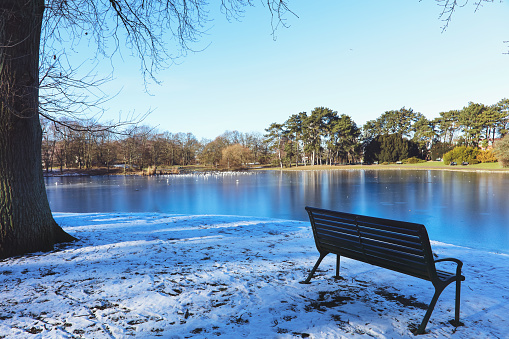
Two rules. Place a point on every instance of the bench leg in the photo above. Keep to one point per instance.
(431, 306)
(456, 321)
(457, 311)
(338, 257)
(314, 268)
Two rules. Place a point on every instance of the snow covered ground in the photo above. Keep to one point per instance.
(182, 276)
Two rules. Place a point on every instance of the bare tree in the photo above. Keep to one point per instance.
(38, 33)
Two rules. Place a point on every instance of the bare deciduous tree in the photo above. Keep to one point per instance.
(35, 36)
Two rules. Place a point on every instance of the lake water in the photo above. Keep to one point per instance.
(470, 209)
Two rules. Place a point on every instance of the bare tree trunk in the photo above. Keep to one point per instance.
(279, 156)
(26, 222)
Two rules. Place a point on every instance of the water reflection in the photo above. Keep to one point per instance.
(461, 208)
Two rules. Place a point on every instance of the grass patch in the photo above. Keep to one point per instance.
(433, 165)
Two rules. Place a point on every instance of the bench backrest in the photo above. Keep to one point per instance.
(396, 245)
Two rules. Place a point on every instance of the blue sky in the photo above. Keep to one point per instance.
(360, 58)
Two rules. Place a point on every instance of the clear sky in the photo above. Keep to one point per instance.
(360, 58)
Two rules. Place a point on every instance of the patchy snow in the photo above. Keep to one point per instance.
(181, 276)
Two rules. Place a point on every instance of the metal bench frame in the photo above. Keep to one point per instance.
(396, 245)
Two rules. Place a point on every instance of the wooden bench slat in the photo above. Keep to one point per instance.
(338, 235)
(396, 254)
(396, 246)
(403, 261)
(409, 270)
(350, 252)
(349, 219)
(445, 275)
(337, 241)
(410, 246)
(411, 230)
(340, 228)
(367, 231)
(348, 228)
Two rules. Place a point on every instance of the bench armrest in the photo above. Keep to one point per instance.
(458, 262)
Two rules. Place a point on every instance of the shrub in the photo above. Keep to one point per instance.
(461, 154)
(151, 170)
(448, 157)
(486, 156)
(501, 151)
(413, 160)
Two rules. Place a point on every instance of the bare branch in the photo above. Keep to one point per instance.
(144, 26)
(111, 26)
(450, 6)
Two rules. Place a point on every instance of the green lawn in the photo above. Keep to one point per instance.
(433, 165)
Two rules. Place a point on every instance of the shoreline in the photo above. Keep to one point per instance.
(435, 166)
(428, 166)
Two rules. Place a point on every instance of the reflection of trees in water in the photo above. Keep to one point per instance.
(456, 207)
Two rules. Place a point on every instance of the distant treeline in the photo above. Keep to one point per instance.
(76, 144)
(324, 136)
(321, 137)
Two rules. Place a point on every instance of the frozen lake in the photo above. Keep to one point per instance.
(463, 208)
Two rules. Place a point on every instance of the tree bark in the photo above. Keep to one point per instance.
(26, 222)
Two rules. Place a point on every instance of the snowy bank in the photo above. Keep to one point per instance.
(182, 276)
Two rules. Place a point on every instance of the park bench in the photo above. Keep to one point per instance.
(400, 246)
